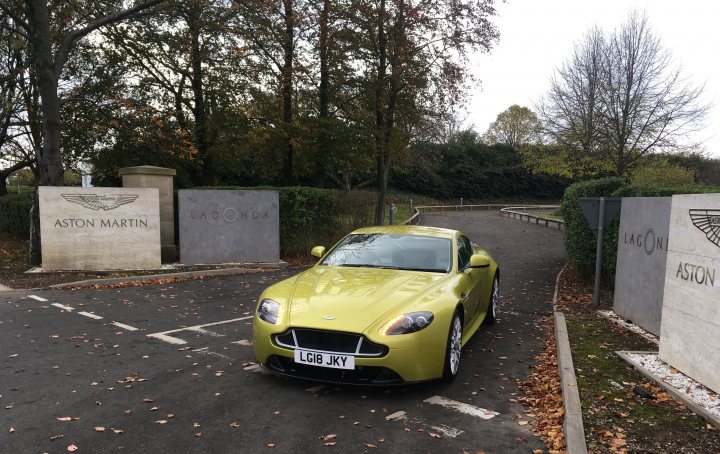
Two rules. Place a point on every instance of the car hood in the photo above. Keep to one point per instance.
(352, 299)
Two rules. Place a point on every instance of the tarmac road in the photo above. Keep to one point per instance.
(166, 368)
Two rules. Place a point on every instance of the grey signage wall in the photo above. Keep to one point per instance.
(690, 330)
(99, 228)
(641, 258)
(229, 226)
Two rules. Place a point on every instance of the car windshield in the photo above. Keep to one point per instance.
(401, 252)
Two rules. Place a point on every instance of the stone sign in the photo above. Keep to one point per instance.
(99, 228)
(229, 226)
(641, 258)
(690, 329)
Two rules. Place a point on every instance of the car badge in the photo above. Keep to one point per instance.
(328, 317)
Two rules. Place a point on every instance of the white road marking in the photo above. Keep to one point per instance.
(244, 342)
(396, 415)
(168, 339)
(124, 326)
(163, 335)
(462, 407)
(88, 314)
(37, 298)
(441, 428)
(63, 307)
(197, 329)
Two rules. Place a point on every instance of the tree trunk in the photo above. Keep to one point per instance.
(287, 73)
(380, 145)
(3, 185)
(49, 162)
(209, 175)
(324, 93)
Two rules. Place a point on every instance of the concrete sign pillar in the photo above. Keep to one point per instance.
(229, 226)
(641, 259)
(690, 326)
(99, 228)
(162, 179)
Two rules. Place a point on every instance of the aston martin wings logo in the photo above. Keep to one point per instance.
(100, 202)
(709, 222)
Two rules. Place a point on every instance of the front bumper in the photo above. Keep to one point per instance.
(420, 358)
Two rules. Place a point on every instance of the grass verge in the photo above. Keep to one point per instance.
(616, 417)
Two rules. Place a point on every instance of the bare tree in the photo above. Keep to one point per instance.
(570, 110)
(619, 98)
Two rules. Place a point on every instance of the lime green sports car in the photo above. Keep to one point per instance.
(386, 305)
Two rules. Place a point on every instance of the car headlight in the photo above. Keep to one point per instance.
(270, 311)
(407, 323)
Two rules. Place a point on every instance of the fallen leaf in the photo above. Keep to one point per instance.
(64, 418)
(235, 425)
(12, 430)
(161, 421)
(99, 429)
(72, 448)
(328, 437)
(271, 445)
(118, 431)
(198, 435)
(523, 423)
(56, 437)
(154, 409)
(330, 443)
(434, 435)
(370, 445)
(13, 355)
(147, 401)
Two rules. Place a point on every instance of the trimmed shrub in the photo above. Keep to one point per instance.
(311, 216)
(15, 214)
(580, 243)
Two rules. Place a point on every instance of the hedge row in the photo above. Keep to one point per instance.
(15, 214)
(580, 242)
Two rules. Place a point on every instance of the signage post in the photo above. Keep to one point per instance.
(599, 212)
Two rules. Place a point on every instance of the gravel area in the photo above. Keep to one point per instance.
(612, 316)
(685, 385)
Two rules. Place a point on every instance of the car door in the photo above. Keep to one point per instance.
(471, 279)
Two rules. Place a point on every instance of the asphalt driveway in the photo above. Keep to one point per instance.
(170, 368)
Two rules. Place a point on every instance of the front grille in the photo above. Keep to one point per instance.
(329, 342)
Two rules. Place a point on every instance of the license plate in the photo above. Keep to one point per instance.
(325, 359)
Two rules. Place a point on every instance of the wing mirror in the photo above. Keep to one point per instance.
(318, 251)
(479, 261)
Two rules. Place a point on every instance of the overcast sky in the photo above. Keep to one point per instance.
(537, 36)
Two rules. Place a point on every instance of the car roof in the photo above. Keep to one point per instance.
(409, 230)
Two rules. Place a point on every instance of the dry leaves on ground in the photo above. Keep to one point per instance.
(544, 396)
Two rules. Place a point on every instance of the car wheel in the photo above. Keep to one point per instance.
(492, 311)
(453, 349)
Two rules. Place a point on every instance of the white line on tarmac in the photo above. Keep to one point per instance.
(244, 342)
(207, 324)
(462, 407)
(197, 329)
(441, 428)
(315, 389)
(91, 315)
(124, 326)
(168, 339)
(65, 308)
(37, 298)
(163, 335)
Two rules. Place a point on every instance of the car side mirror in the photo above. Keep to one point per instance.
(318, 251)
(479, 261)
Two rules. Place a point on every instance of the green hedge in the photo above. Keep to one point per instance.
(15, 214)
(580, 243)
(311, 216)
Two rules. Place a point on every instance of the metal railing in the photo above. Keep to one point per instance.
(521, 212)
(508, 211)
